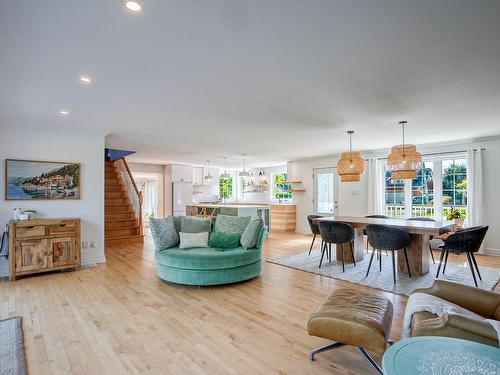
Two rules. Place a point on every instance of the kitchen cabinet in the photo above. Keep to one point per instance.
(197, 175)
(182, 173)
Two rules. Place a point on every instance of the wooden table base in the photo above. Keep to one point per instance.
(418, 255)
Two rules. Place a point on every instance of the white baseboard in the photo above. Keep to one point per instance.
(494, 252)
(89, 261)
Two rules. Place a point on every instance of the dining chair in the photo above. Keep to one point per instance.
(372, 217)
(431, 237)
(466, 241)
(383, 237)
(314, 229)
(338, 233)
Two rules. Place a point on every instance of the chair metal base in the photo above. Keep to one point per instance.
(339, 345)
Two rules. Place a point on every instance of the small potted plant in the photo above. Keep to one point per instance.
(455, 214)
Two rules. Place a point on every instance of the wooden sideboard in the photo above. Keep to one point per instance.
(43, 245)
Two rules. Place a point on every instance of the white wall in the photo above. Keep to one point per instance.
(353, 197)
(63, 145)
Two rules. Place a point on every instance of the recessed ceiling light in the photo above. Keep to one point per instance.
(63, 112)
(133, 6)
(85, 80)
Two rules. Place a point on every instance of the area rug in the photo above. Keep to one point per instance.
(12, 355)
(457, 272)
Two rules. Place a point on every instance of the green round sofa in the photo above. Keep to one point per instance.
(208, 266)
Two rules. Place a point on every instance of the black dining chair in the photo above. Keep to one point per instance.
(466, 241)
(373, 217)
(314, 229)
(338, 233)
(383, 237)
(431, 237)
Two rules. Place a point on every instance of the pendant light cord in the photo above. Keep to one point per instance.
(350, 144)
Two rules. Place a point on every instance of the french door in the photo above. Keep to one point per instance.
(325, 191)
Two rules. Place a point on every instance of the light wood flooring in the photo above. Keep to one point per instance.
(120, 318)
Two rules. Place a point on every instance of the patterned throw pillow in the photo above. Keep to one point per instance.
(164, 234)
(250, 236)
(192, 240)
(193, 224)
(231, 224)
(177, 222)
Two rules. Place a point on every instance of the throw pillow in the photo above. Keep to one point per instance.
(250, 236)
(164, 234)
(177, 222)
(221, 240)
(191, 240)
(231, 224)
(193, 224)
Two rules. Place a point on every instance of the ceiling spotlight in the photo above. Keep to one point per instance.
(133, 6)
(85, 80)
(63, 112)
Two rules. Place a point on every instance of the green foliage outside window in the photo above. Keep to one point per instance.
(280, 184)
(226, 188)
(455, 186)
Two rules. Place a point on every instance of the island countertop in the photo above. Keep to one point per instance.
(225, 205)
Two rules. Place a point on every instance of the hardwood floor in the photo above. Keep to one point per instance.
(120, 318)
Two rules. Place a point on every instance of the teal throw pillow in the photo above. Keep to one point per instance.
(251, 233)
(231, 224)
(193, 224)
(163, 232)
(221, 240)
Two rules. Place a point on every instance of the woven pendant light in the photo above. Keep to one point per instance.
(404, 161)
(351, 165)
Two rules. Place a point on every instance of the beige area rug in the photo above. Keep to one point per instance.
(457, 272)
(12, 355)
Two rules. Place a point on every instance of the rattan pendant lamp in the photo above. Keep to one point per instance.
(351, 165)
(404, 161)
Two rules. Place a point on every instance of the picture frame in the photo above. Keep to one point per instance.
(42, 180)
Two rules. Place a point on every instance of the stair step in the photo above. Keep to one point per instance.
(116, 224)
(120, 209)
(115, 194)
(119, 216)
(138, 237)
(115, 187)
(116, 201)
(121, 232)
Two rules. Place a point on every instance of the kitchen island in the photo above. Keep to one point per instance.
(214, 209)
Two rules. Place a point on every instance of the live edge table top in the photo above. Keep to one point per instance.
(410, 226)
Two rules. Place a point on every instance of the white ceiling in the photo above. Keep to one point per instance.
(190, 80)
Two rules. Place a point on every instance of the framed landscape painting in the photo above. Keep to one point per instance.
(47, 180)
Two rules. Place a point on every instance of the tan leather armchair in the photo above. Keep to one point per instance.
(481, 302)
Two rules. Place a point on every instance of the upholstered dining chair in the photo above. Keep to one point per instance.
(466, 241)
(372, 217)
(431, 237)
(338, 233)
(383, 237)
(314, 229)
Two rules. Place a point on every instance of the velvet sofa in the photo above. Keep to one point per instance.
(208, 266)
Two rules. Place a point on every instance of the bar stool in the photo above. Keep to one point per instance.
(466, 241)
(431, 237)
(383, 237)
(314, 229)
(338, 233)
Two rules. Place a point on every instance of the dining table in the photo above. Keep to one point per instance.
(420, 234)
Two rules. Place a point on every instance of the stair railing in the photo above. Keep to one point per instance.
(134, 194)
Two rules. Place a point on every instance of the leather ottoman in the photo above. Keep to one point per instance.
(354, 318)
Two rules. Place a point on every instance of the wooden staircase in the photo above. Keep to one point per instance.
(123, 201)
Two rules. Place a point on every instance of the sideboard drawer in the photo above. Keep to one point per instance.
(63, 228)
(31, 231)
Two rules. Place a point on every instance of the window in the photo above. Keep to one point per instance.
(226, 188)
(280, 187)
(455, 186)
(422, 192)
(394, 196)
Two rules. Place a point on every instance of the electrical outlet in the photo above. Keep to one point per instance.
(85, 244)
(92, 244)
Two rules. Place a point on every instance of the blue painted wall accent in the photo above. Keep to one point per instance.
(111, 154)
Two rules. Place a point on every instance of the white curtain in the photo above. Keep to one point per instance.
(376, 184)
(475, 196)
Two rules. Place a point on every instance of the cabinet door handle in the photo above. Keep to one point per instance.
(30, 227)
(62, 225)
